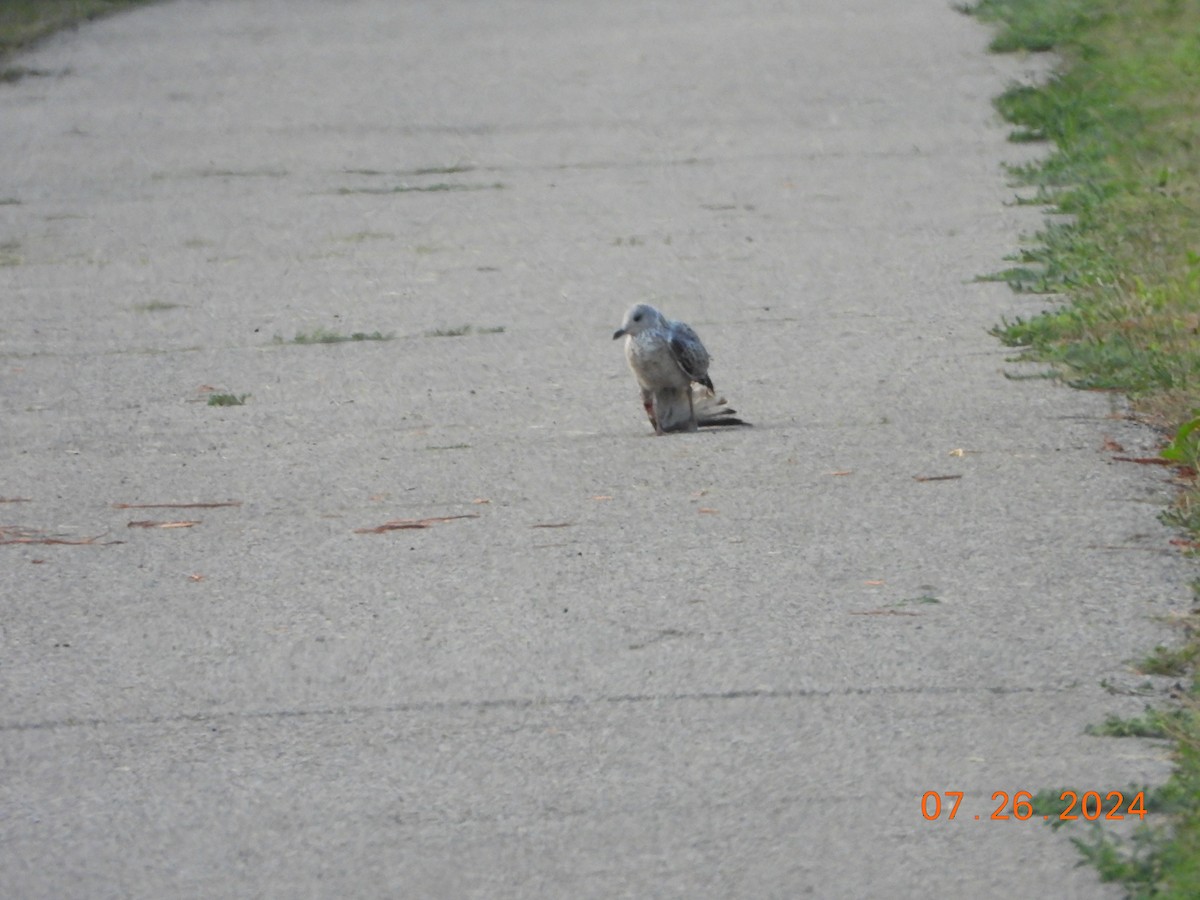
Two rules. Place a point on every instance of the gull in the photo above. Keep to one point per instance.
(671, 367)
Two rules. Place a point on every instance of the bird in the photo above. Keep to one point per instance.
(670, 364)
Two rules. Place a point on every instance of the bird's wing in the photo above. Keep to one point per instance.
(689, 353)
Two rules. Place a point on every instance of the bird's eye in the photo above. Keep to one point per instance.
(638, 317)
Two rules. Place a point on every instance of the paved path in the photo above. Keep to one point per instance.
(714, 665)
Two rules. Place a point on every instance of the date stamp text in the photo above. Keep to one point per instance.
(1090, 806)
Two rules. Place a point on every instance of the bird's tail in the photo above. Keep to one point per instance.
(712, 409)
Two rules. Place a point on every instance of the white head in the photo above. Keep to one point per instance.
(641, 317)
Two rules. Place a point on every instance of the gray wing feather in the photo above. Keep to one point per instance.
(689, 353)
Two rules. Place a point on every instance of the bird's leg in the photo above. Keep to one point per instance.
(692, 424)
(648, 404)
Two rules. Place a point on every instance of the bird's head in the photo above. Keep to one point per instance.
(639, 318)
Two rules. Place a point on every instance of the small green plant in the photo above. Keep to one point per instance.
(1140, 859)
(1044, 375)
(461, 330)
(1134, 861)
(325, 336)
(1149, 725)
(923, 600)
(1184, 514)
(1047, 803)
(227, 399)
(1172, 663)
(1185, 446)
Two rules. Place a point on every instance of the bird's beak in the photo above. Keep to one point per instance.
(620, 332)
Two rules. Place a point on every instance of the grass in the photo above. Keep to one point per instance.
(1171, 662)
(1147, 860)
(1150, 725)
(1035, 25)
(1124, 117)
(325, 336)
(1122, 113)
(227, 399)
(23, 22)
(923, 600)
(461, 330)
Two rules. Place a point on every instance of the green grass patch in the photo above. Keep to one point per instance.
(325, 336)
(923, 600)
(1035, 25)
(1172, 662)
(461, 330)
(1152, 724)
(1122, 113)
(22, 22)
(1147, 859)
(1184, 514)
(227, 399)
(1044, 375)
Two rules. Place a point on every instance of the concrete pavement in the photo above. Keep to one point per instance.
(712, 665)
